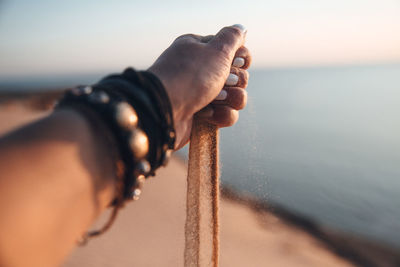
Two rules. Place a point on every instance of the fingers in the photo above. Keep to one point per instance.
(233, 97)
(220, 115)
(229, 39)
(237, 78)
(242, 58)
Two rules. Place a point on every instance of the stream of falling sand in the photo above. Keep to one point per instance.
(202, 223)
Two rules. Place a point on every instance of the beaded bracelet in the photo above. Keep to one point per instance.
(149, 89)
(142, 145)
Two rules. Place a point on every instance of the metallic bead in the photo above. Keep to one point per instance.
(143, 167)
(140, 181)
(87, 90)
(167, 156)
(81, 90)
(139, 143)
(137, 188)
(171, 134)
(136, 194)
(100, 97)
(126, 116)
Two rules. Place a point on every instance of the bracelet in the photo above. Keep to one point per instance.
(150, 90)
(141, 145)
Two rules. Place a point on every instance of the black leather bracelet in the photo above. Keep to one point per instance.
(115, 119)
(148, 118)
(134, 113)
(146, 87)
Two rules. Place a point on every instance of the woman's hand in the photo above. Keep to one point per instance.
(205, 75)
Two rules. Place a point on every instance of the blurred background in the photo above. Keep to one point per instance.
(321, 134)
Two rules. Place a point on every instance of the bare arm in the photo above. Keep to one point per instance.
(56, 175)
(56, 178)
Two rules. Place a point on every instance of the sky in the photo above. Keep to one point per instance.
(45, 37)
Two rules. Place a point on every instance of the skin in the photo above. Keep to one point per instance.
(179, 69)
(57, 175)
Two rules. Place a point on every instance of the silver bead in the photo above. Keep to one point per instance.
(87, 90)
(137, 189)
(100, 97)
(126, 116)
(81, 90)
(139, 143)
(167, 156)
(143, 167)
(136, 194)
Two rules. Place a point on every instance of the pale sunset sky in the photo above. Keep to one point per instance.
(42, 37)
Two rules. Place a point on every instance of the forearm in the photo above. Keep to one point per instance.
(56, 178)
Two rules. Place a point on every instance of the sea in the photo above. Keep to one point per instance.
(322, 142)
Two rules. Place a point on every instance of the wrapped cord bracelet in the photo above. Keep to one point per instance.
(140, 145)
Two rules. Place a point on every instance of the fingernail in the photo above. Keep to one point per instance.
(232, 79)
(240, 27)
(222, 95)
(238, 62)
(206, 112)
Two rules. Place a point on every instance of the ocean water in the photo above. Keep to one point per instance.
(322, 142)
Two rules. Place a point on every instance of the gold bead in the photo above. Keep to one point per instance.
(171, 134)
(140, 180)
(126, 116)
(139, 143)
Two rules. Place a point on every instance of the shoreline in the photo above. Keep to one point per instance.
(355, 249)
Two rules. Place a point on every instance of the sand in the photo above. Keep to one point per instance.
(150, 231)
(202, 204)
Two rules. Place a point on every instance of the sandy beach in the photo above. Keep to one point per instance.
(150, 231)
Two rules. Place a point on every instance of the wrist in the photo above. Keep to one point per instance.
(96, 154)
(181, 112)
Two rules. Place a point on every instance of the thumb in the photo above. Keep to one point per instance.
(229, 39)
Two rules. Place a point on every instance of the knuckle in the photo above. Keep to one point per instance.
(233, 31)
(248, 60)
(207, 38)
(181, 37)
(233, 118)
(242, 101)
(230, 118)
(185, 37)
(225, 116)
(223, 48)
(244, 53)
(246, 75)
(245, 50)
(244, 78)
(238, 99)
(248, 53)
